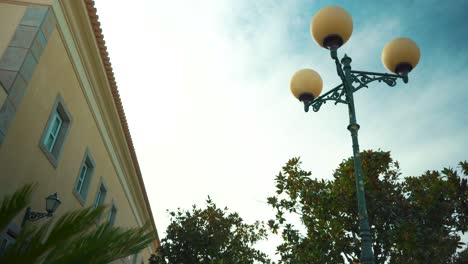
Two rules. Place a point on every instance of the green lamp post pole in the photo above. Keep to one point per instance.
(331, 27)
(366, 248)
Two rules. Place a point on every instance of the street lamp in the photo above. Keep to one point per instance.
(331, 27)
(52, 203)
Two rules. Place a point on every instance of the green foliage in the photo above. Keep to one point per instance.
(210, 235)
(76, 237)
(413, 219)
(102, 244)
(460, 258)
(13, 204)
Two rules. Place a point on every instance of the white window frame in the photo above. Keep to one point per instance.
(113, 214)
(56, 131)
(84, 178)
(53, 135)
(100, 195)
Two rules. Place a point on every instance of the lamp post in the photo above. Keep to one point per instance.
(331, 27)
(52, 203)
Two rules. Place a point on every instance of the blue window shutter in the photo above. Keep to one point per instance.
(81, 179)
(98, 198)
(113, 214)
(53, 131)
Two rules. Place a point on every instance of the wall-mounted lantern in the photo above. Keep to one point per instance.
(52, 203)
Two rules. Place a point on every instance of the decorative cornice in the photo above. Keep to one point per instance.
(96, 26)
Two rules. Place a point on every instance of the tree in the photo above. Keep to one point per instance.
(210, 235)
(413, 219)
(460, 257)
(76, 237)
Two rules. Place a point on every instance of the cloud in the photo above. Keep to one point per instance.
(205, 86)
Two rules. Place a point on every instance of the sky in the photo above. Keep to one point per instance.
(205, 88)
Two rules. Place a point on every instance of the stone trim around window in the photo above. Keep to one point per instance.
(54, 155)
(113, 210)
(104, 185)
(88, 159)
(20, 59)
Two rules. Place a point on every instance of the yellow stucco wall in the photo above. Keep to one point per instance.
(21, 159)
(10, 16)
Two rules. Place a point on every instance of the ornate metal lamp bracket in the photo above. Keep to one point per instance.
(34, 216)
(357, 80)
(361, 79)
(336, 94)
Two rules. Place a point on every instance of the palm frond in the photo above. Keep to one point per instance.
(103, 244)
(74, 238)
(73, 223)
(27, 247)
(34, 244)
(13, 204)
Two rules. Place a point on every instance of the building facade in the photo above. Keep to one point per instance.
(62, 123)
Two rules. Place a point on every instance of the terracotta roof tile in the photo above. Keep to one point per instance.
(118, 102)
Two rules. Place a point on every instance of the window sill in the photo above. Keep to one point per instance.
(79, 198)
(52, 159)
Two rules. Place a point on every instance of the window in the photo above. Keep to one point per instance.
(8, 236)
(56, 131)
(100, 195)
(3, 245)
(112, 215)
(84, 177)
(53, 132)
